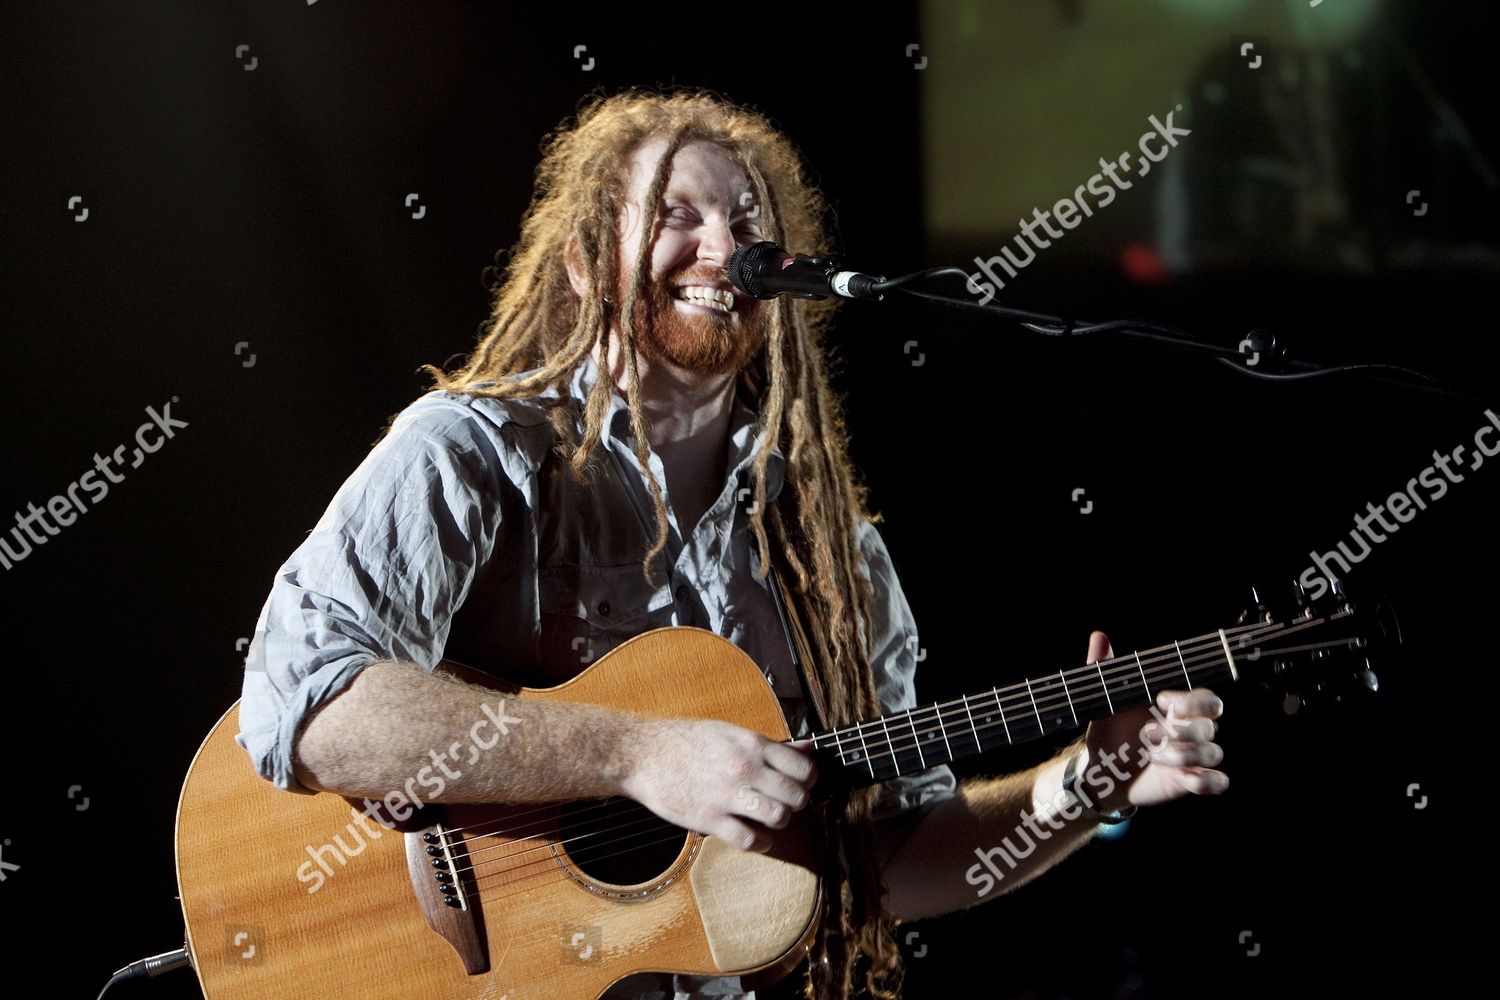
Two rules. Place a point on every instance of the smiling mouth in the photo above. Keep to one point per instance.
(718, 299)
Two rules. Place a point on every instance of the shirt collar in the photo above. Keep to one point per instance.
(742, 420)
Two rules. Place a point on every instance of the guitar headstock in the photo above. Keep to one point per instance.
(1305, 651)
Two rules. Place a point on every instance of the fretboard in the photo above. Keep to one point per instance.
(941, 733)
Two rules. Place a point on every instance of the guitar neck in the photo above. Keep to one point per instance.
(941, 733)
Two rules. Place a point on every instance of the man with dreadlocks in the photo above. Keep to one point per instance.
(635, 444)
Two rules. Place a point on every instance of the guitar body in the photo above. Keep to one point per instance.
(298, 895)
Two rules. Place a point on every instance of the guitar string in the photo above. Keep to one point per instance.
(1208, 651)
(495, 871)
(904, 740)
(627, 806)
(1127, 671)
(492, 863)
(1126, 664)
(553, 867)
(663, 823)
(1201, 661)
(492, 866)
(551, 864)
(477, 829)
(825, 742)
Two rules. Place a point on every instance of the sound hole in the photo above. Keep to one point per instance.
(619, 841)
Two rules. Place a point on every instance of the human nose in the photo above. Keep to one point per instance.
(717, 243)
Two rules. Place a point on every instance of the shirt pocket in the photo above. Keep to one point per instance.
(585, 611)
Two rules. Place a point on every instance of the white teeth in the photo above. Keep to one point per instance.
(718, 298)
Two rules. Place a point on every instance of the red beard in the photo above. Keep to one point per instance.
(699, 340)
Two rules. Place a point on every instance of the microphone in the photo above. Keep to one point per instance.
(765, 270)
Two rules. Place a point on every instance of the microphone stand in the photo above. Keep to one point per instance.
(1260, 355)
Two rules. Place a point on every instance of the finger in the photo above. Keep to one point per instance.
(1099, 648)
(1187, 704)
(1187, 755)
(741, 835)
(1180, 731)
(794, 760)
(779, 788)
(1201, 781)
(752, 803)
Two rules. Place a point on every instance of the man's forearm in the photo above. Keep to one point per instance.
(993, 835)
(398, 727)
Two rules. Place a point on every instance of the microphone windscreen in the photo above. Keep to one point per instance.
(746, 263)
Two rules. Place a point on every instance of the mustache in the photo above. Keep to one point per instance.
(700, 274)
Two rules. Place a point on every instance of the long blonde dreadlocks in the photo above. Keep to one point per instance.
(538, 324)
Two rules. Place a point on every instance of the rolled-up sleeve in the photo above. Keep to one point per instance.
(378, 578)
(893, 659)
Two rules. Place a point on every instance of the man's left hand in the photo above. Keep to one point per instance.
(1161, 762)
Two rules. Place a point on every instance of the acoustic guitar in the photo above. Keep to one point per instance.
(316, 896)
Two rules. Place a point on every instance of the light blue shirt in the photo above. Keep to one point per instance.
(461, 536)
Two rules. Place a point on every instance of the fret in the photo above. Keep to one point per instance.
(911, 720)
(938, 713)
(1184, 664)
(1001, 706)
(1056, 718)
(978, 747)
(895, 760)
(1070, 696)
(838, 748)
(816, 736)
(866, 748)
(1149, 696)
(1034, 710)
(962, 738)
(1125, 697)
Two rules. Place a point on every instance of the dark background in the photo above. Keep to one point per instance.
(267, 207)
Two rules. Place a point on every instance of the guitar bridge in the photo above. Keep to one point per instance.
(437, 860)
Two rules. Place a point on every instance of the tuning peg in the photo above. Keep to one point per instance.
(1262, 613)
(1345, 602)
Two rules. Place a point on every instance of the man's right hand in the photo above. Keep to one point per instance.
(719, 779)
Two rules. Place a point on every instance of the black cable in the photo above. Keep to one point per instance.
(153, 966)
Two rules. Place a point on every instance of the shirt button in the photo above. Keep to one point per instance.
(604, 607)
(682, 591)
